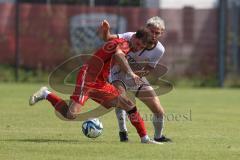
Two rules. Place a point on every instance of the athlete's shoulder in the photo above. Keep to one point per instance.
(123, 45)
(157, 51)
(118, 40)
(159, 47)
(119, 43)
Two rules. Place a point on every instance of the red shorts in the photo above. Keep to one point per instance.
(99, 91)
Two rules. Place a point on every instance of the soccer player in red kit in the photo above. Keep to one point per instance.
(92, 83)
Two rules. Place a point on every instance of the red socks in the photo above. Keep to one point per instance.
(133, 115)
(137, 122)
(59, 104)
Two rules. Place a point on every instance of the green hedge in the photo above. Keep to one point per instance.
(7, 74)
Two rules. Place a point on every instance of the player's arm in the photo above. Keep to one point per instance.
(120, 58)
(105, 31)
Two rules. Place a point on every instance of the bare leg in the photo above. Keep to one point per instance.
(148, 96)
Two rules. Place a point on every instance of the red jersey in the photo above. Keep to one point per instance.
(100, 63)
(92, 79)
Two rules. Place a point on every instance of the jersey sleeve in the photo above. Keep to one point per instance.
(109, 49)
(126, 35)
(155, 58)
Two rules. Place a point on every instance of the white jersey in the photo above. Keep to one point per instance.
(137, 61)
(151, 56)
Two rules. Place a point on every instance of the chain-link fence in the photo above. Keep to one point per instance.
(42, 34)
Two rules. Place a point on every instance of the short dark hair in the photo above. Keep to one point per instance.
(145, 35)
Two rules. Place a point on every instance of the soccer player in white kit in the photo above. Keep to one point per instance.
(143, 62)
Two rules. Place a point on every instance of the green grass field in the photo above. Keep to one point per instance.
(203, 123)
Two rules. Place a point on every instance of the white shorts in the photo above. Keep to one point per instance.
(127, 81)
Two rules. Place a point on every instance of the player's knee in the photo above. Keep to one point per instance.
(71, 116)
(157, 109)
(158, 115)
(67, 114)
(72, 111)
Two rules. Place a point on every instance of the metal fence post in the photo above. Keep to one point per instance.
(222, 40)
(17, 56)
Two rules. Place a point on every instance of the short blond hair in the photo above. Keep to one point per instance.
(156, 22)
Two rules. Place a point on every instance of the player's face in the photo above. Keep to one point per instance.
(136, 44)
(156, 33)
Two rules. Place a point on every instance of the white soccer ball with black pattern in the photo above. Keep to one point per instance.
(92, 128)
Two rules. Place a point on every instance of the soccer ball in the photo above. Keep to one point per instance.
(92, 128)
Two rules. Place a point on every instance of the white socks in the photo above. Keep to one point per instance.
(121, 116)
(45, 93)
(145, 139)
(158, 123)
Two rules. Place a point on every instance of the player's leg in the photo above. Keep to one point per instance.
(59, 104)
(108, 96)
(67, 111)
(121, 114)
(148, 96)
(134, 117)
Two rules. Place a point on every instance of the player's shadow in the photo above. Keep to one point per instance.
(51, 141)
(42, 140)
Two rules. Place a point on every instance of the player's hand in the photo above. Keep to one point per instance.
(105, 26)
(142, 73)
(103, 29)
(136, 78)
